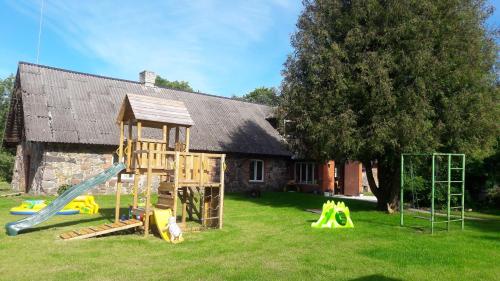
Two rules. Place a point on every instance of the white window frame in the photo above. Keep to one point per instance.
(299, 165)
(253, 178)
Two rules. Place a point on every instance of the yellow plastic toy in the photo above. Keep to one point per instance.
(85, 204)
(334, 216)
(30, 207)
(161, 218)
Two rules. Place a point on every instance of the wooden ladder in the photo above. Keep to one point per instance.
(93, 231)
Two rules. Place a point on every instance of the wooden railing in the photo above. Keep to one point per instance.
(192, 168)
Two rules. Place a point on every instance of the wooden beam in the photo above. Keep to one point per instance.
(187, 139)
(148, 194)
(167, 140)
(202, 169)
(184, 205)
(139, 131)
(192, 207)
(176, 183)
(221, 189)
(129, 144)
(119, 180)
(165, 133)
(136, 188)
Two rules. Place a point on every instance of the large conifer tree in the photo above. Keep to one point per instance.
(368, 80)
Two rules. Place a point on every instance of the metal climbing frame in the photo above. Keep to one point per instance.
(437, 182)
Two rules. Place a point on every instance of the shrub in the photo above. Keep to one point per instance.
(6, 165)
(493, 197)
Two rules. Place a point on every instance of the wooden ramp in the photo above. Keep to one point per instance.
(93, 231)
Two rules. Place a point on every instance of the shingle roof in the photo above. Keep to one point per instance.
(64, 106)
(146, 108)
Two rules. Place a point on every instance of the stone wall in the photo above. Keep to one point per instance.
(52, 165)
(237, 177)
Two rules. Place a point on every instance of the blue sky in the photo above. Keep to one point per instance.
(220, 47)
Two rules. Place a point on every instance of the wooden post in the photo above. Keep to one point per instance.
(166, 136)
(139, 131)
(188, 167)
(165, 133)
(158, 156)
(184, 205)
(187, 139)
(148, 194)
(177, 133)
(202, 191)
(119, 180)
(221, 189)
(164, 146)
(206, 206)
(176, 183)
(136, 188)
(129, 145)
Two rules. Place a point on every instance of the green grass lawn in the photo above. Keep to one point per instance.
(269, 238)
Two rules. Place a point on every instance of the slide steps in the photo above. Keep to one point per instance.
(93, 231)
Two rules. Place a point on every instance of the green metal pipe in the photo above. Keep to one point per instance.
(446, 154)
(432, 192)
(401, 201)
(463, 191)
(448, 193)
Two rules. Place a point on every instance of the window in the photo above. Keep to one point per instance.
(256, 170)
(305, 173)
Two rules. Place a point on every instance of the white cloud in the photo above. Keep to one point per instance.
(182, 41)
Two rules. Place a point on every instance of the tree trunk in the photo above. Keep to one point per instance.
(387, 191)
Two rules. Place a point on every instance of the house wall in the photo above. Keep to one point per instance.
(328, 176)
(237, 177)
(352, 178)
(52, 165)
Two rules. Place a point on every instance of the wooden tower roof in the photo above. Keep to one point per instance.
(154, 110)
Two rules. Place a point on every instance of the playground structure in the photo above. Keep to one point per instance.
(194, 179)
(445, 173)
(191, 182)
(334, 216)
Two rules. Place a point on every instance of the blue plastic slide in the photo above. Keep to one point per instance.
(13, 228)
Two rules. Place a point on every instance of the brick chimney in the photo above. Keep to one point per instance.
(147, 78)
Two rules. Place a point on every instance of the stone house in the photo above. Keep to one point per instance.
(62, 125)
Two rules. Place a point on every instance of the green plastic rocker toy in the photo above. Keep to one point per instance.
(334, 216)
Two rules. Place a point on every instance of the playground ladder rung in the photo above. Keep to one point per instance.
(448, 181)
(456, 207)
(456, 168)
(456, 194)
(447, 221)
(424, 218)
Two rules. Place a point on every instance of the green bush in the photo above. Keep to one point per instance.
(493, 197)
(62, 188)
(6, 165)
(419, 188)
